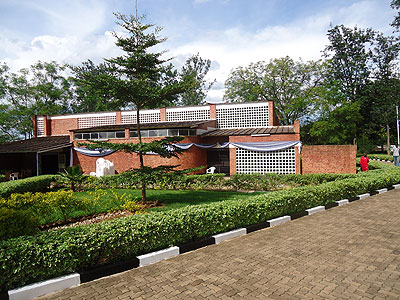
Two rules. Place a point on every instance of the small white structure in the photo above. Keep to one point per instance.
(104, 167)
(210, 170)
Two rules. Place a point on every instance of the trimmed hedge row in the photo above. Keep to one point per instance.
(31, 184)
(258, 182)
(381, 157)
(49, 254)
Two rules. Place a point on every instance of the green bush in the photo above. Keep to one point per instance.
(49, 254)
(31, 184)
(45, 207)
(381, 157)
(2, 177)
(14, 223)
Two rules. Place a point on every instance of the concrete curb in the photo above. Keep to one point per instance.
(229, 235)
(153, 257)
(52, 285)
(314, 210)
(278, 221)
(45, 287)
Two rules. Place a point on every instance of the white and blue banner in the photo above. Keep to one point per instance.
(252, 146)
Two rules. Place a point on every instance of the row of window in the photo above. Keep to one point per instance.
(133, 133)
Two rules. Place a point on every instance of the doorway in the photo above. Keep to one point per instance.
(219, 158)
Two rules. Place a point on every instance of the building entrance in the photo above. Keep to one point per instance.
(218, 158)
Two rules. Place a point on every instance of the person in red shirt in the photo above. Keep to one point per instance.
(364, 160)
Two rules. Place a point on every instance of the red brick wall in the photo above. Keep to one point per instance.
(213, 111)
(194, 157)
(62, 126)
(329, 159)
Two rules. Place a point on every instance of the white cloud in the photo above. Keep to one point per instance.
(303, 38)
(76, 33)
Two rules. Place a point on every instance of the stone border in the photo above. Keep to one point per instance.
(56, 284)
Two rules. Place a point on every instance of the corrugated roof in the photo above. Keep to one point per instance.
(40, 144)
(180, 124)
(251, 131)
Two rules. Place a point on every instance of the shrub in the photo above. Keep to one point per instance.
(31, 184)
(2, 177)
(44, 206)
(14, 223)
(381, 157)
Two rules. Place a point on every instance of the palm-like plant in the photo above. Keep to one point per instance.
(73, 175)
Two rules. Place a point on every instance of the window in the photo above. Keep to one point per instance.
(164, 132)
(120, 134)
(100, 135)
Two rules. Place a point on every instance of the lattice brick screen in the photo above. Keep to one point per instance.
(152, 117)
(88, 122)
(188, 114)
(242, 116)
(40, 127)
(281, 162)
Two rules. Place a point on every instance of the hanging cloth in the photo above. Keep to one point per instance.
(95, 153)
(266, 146)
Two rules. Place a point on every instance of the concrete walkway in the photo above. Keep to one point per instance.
(347, 252)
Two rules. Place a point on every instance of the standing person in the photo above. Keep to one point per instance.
(364, 160)
(396, 155)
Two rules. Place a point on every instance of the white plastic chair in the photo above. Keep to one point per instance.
(210, 170)
(14, 175)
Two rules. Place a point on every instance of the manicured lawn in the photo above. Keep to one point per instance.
(171, 199)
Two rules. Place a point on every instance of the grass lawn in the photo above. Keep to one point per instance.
(172, 199)
(103, 201)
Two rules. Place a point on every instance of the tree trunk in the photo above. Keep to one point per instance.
(142, 179)
(388, 139)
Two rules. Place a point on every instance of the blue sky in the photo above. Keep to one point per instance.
(231, 33)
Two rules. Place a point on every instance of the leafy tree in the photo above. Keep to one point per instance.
(395, 4)
(89, 94)
(41, 89)
(380, 96)
(293, 86)
(140, 78)
(349, 57)
(195, 69)
(338, 127)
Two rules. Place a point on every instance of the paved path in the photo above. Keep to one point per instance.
(347, 252)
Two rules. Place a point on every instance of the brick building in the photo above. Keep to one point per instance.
(234, 138)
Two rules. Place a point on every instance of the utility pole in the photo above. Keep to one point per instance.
(397, 121)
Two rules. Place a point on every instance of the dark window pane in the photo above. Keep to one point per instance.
(183, 132)
(162, 132)
(111, 135)
(144, 133)
(174, 132)
(86, 136)
(120, 134)
(78, 136)
(94, 135)
(153, 133)
(133, 133)
(192, 132)
(102, 135)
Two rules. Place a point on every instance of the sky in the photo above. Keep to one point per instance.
(231, 33)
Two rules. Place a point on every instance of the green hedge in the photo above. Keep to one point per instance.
(49, 254)
(258, 182)
(31, 184)
(381, 157)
